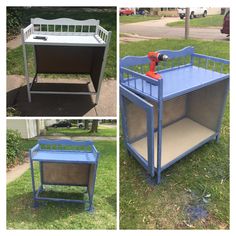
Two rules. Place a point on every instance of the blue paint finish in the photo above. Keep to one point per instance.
(222, 113)
(159, 129)
(175, 81)
(124, 124)
(143, 60)
(150, 123)
(63, 155)
(196, 212)
(137, 156)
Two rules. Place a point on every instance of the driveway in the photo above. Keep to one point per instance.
(158, 29)
(61, 105)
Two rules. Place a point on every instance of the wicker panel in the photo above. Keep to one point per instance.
(61, 173)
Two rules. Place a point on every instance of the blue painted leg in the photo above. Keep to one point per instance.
(158, 178)
(90, 208)
(217, 138)
(36, 204)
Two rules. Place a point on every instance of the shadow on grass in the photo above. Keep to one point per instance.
(111, 200)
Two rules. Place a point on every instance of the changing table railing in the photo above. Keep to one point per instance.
(64, 145)
(66, 26)
(133, 68)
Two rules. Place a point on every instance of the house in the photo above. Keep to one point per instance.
(29, 128)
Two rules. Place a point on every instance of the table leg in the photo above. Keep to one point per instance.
(26, 67)
(33, 182)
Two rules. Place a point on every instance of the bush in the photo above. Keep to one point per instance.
(14, 21)
(14, 148)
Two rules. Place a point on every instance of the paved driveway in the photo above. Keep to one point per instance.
(158, 29)
(61, 105)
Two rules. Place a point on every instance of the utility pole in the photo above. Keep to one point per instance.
(187, 18)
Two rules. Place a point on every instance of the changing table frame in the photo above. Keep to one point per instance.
(191, 82)
(72, 47)
(65, 163)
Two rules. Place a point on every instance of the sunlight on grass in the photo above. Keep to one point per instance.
(209, 21)
(137, 18)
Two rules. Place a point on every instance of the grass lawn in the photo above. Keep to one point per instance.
(107, 19)
(209, 21)
(212, 48)
(137, 18)
(21, 215)
(103, 131)
(199, 180)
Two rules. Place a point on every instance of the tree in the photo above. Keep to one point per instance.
(94, 128)
(86, 124)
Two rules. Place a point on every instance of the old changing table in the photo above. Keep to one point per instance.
(164, 120)
(65, 163)
(66, 46)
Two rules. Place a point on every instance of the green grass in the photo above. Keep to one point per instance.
(209, 21)
(213, 48)
(137, 18)
(102, 131)
(144, 205)
(21, 215)
(107, 19)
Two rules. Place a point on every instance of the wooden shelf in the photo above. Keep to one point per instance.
(177, 139)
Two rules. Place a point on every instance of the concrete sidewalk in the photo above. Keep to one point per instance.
(17, 171)
(61, 105)
(77, 138)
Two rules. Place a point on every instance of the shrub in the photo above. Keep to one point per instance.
(14, 21)
(14, 148)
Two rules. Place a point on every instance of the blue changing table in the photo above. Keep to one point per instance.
(164, 120)
(66, 163)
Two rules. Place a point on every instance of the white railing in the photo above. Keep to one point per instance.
(66, 26)
(28, 31)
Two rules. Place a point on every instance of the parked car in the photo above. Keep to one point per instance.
(225, 29)
(126, 11)
(80, 125)
(194, 12)
(63, 123)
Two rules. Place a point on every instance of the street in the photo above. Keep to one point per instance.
(158, 29)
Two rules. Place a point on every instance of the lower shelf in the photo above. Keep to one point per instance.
(177, 139)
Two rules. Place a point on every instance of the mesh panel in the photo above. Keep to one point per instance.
(58, 173)
(173, 110)
(205, 105)
(136, 120)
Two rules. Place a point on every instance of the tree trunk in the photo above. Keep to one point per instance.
(187, 15)
(86, 124)
(94, 128)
